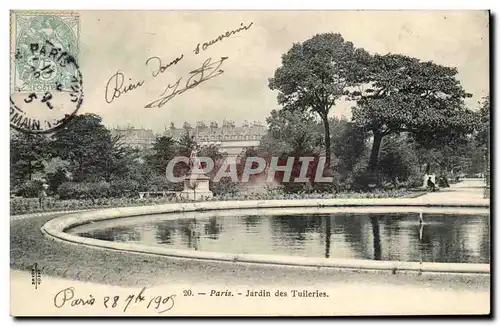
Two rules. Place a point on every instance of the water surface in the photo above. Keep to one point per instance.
(457, 238)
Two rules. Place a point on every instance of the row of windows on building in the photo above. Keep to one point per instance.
(144, 138)
(206, 138)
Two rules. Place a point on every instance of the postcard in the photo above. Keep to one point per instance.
(249, 163)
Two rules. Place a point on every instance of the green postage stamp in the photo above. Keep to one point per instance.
(46, 83)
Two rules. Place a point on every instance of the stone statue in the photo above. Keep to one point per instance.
(194, 162)
(196, 184)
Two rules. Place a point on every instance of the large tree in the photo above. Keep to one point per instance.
(348, 143)
(27, 155)
(483, 129)
(398, 159)
(407, 95)
(88, 147)
(294, 134)
(444, 153)
(297, 133)
(186, 143)
(290, 132)
(482, 138)
(164, 149)
(316, 73)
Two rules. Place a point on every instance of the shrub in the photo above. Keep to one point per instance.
(362, 180)
(124, 188)
(224, 186)
(72, 190)
(160, 183)
(56, 179)
(30, 205)
(415, 180)
(83, 190)
(99, 190)
(29, 189)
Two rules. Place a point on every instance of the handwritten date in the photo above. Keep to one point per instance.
(159, 304)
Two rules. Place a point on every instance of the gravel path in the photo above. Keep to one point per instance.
(76, 262)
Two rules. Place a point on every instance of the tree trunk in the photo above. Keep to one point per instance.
(377, 142)
(328, 150)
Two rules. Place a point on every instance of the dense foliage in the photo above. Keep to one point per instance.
(404, 94)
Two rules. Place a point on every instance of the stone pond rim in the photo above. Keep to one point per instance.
(55, 229)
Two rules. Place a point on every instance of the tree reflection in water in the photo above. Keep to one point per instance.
(297, 225)
(213, 229)
(377, 246)
(328, 234)
(117, 233)
(252, 221)
(447, 238)
(164, 232)
(485, 246)
(353, 227)
(189, 233)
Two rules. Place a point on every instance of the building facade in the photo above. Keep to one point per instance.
(139, 138)
(230, 138)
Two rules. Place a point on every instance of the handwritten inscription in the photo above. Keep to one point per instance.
(206, 72)
(204, 46)
(118, 84)
(158, 67)
(115, 87)
(159, 303)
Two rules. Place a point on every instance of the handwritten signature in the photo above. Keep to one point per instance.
(116, 85)
(206, 72)
(158, 303)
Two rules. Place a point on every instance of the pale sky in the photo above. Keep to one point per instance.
(120, 40)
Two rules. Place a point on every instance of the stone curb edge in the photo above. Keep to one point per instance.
(55, 228)
(40, 214)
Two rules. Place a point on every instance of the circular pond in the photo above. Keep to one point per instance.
(435, 236)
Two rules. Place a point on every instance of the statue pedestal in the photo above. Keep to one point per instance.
(196, 186)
